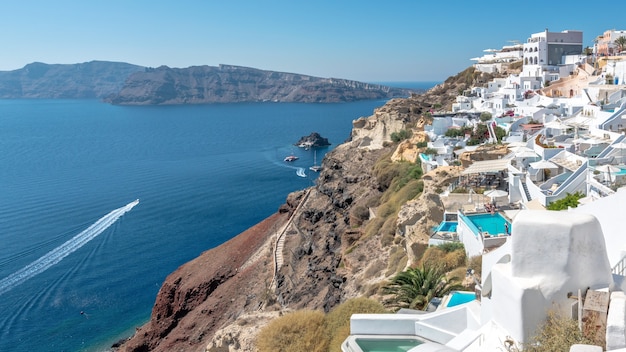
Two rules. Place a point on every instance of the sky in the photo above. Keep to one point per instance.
(363, 40)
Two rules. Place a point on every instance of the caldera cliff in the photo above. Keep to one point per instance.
(337, 240)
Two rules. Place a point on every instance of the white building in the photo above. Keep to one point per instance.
(493, 61)
(550, 258)
(545, 53)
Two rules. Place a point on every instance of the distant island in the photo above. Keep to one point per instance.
(314, 140)
(127, 84)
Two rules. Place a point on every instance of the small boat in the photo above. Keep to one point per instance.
(315, 167)
(291, 158)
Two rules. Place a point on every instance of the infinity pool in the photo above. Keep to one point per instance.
(447, 226)
(386, 345)
(494, 224)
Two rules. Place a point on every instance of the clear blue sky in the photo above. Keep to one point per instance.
(372, 41)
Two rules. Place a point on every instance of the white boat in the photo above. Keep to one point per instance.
(291, 158)
(315, 167)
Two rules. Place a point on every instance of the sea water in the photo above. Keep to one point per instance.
(202, 175)
(80, 261)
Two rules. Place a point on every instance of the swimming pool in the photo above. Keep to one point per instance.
(426, 157)
(447, 226)
(460, 297)
(493, 224)
(386, 345)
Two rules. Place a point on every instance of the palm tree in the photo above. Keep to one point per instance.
(415, 287)
(621, 43)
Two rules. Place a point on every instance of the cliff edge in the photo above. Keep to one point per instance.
(235, 84)
(331, 242)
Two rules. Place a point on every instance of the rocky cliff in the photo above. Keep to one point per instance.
(122, 83)
(320, 249)
(232, 84)
(95, 79)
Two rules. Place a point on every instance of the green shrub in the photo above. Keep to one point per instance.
(400, 182)
(451, 246)
(401, 135)
(446, 260)
(298, 331)
(385, 171)
(570, 201)
(415, 287)
(388, 231)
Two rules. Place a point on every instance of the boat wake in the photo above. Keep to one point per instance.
(56, 255)
(300, 172)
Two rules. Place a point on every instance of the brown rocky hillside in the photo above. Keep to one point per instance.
(341, 239)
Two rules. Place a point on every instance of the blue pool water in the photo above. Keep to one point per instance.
(458, 297)
(386, 345)
(447, 226)
(492, 223)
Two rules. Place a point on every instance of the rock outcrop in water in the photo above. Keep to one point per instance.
(314, 140)
(219, 301)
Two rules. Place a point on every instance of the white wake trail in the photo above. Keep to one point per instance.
(56, 255)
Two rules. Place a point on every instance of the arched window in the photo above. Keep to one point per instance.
(535, 61)
(525, 61)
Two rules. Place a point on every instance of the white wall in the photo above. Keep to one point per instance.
(552, 254)
(473, 244)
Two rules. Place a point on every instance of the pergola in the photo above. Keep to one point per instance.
(487, 166)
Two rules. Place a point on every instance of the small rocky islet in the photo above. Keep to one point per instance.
(314, 140)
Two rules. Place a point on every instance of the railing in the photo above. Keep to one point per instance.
(582, 169)
(610, 148)
(601, 189)
(526, 192)
(616, 114)
(620, 267)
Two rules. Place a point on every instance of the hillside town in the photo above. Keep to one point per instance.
(554, 119)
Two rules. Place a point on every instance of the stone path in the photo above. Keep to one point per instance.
(280, 239)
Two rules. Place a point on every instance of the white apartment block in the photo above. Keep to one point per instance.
(545, 53)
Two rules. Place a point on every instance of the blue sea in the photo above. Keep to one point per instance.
(80, 261)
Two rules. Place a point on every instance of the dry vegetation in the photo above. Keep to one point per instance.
(313, 330)
(556, 334)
